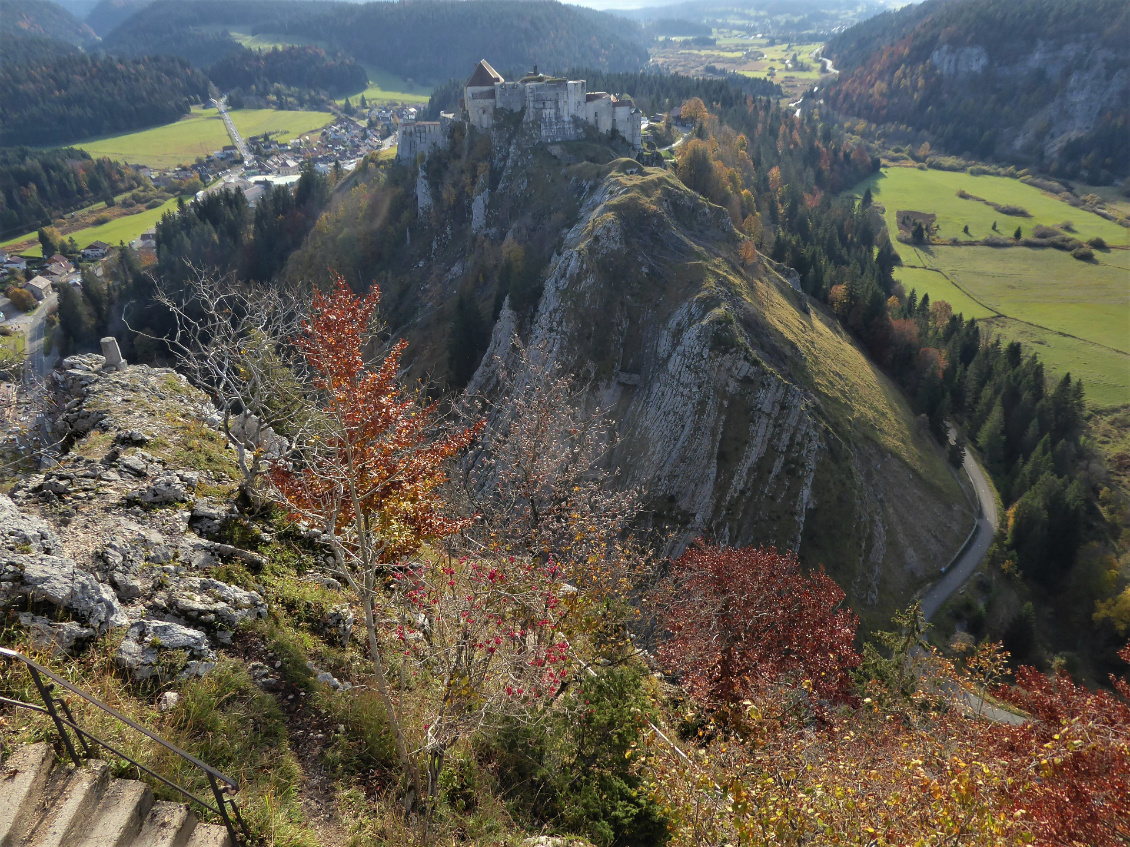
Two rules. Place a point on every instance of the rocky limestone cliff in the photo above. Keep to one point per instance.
(716, 379)
(742, 410)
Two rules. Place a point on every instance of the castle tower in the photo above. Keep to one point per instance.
(479, 95)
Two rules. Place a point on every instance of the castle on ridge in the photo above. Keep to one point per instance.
(561, 109)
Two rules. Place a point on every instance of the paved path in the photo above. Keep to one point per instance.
(975, 551)
(961, 569)
(36, 332)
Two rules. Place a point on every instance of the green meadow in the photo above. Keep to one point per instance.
(198, 134)
(911, 189)
(283, 126)
(1075, 314)
(124, 229)
(389, 88)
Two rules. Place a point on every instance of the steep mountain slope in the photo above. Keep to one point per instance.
(43, 18)
(1033, 81)
(744, 414)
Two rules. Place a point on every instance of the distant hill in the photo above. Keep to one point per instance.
(42, 18)
(67, 98)
(431, 40)
(309, 68)
(107, 14)
(1045, 83)
(21, 49)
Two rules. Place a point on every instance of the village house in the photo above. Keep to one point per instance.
(560, 108)
(95, 250)
(14, 263)
(39, 286)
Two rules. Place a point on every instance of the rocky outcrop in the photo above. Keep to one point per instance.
(145, 650)
(29, 570)
(113, 536)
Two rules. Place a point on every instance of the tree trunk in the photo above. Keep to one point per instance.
(406, 761)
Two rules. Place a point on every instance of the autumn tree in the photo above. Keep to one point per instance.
(538, 476)
(1071, 759)
(233, 340)
(742, 620)
(369, 477)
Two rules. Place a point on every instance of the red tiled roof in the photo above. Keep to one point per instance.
(484, 75)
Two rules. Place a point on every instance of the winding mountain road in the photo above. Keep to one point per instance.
(958, 571)
(975, 547)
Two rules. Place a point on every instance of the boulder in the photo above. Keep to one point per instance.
(60, 582)
(215, 604)
(338, 624)
(167, 489)
(55, 637)
(145, 641)
(24, 533)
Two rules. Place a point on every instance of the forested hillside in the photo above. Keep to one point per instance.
(426, 41)
(43, 18)
(38, 186)
(1038, 82)
(17, 48)
(107, 14)
(67, 98)
(296, 67)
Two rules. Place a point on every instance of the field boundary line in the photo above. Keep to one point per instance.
(1001, 314)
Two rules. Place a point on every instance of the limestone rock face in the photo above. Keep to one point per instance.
(709, 377)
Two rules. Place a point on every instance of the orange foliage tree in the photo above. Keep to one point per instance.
(1071, 762)
(370, 476)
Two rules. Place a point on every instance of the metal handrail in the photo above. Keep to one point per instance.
(50, 704)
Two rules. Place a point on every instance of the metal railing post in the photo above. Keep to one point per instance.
(49, 702)
(222, 805)
(81, 735)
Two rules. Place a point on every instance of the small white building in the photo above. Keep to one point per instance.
(95, 250)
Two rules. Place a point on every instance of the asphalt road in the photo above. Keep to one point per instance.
(35, 335)
(959, 571)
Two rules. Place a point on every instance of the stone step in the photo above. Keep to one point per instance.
(210, 835)
(71, 810)
(23, 778)
(168, 825)
(119, 816)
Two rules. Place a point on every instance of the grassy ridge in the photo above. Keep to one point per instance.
(1076, 315)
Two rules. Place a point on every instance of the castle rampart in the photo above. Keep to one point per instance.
(560, 108)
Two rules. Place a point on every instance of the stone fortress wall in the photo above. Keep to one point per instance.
(561, 108)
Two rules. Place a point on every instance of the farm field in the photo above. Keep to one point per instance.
(200, 133)
(936, 192)
(281, 125)
(124, 229)
(737, 53)
(1076, 315)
